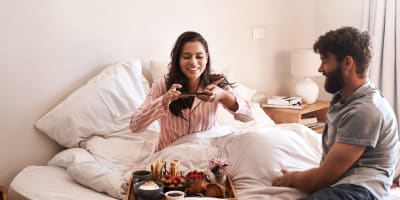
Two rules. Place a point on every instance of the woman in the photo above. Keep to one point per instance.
(181, 113)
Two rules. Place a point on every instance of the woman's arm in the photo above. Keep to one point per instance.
(239, 107)
(151, 110)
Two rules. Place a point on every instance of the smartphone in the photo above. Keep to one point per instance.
(194, 93)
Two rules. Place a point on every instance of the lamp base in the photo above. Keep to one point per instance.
(307, 89)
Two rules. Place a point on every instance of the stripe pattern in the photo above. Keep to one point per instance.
(201, 117)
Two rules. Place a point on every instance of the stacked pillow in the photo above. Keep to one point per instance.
(96, 116)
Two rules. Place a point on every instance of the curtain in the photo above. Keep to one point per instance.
(382, 19)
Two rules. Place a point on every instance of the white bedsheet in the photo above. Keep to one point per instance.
(50, 183)
(258, 153)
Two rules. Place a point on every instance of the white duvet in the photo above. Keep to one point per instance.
(257, 152)
(95, 118)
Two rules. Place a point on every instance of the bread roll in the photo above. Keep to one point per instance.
(215, 190)
(196, 187)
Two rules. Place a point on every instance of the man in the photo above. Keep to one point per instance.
(360, 136)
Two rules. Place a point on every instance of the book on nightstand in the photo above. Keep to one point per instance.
(309, 120)
(284, 102)
(281, 106)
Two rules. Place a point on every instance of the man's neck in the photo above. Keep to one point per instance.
(349, 89)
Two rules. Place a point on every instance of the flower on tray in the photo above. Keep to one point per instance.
(219, 167)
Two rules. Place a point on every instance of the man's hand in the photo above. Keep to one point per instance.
(337, 162)
(284, 180)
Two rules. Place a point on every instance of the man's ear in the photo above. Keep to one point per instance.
(348, 63)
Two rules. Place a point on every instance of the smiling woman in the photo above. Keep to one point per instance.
(181, 114)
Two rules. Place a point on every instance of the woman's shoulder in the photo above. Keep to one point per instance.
(159, 85)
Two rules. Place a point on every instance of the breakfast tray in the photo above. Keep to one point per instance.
(231, 193)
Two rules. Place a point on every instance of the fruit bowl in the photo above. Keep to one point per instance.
(176, 188)
(195, 175)
(174, 183)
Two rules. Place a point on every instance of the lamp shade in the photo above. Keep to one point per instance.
(304, 63)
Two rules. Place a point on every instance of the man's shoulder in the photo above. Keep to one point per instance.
(371, 102)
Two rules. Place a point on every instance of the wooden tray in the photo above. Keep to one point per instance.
(228, 183)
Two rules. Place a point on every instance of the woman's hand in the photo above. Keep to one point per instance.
(171, 95)
(213, 92)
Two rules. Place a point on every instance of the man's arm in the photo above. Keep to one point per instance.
(339, 159)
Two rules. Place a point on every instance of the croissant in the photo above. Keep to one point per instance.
(215, 190)
(196, 187)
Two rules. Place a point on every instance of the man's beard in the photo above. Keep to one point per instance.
(334, 80)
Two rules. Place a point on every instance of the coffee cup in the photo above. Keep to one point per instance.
(153, 193)
(174, 195)
(141, 175)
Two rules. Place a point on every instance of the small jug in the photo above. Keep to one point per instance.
(141, 175)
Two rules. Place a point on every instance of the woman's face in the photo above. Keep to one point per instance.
(193, 60)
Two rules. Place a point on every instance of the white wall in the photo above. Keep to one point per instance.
(332, 15)
(49, 48)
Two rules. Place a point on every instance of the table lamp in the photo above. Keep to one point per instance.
(305, 64)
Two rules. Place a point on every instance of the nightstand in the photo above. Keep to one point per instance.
(318, 109)
(3, 192)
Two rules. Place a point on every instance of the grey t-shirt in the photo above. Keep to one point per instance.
(365, 119)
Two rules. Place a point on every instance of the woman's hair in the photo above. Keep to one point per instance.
(347, 41)
(175, 74)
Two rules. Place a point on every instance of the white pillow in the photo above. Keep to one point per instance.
(225, 118)
(70, 156)
(94, 108)
(244, 91)
(122, 150)
(264, 152)
(158, 69)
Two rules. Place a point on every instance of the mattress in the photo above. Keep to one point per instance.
(47, 182)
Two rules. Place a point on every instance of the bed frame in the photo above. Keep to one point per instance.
(3, 192)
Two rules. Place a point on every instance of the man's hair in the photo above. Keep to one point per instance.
(347, 41)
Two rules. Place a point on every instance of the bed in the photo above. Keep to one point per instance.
(101, 153)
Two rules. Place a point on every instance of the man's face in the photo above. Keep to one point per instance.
(332, 70)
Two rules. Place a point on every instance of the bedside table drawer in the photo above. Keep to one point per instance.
(284, 115)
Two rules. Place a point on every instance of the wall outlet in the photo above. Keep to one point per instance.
(258, 33)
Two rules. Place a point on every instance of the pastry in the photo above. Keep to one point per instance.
(215, 190)
(196, 187)
(174, 168)
(157, 169)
